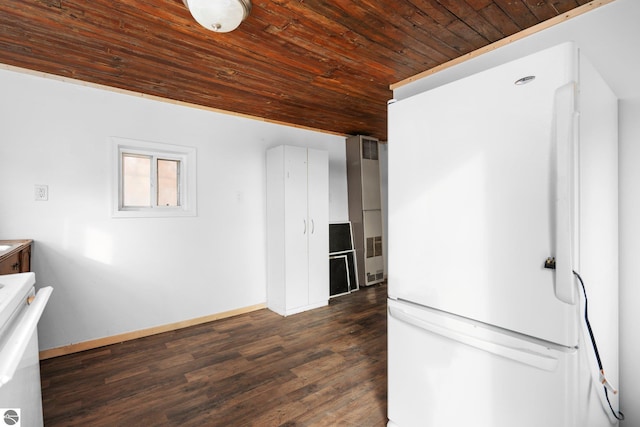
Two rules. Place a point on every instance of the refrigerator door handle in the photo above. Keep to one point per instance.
(522, 355)
(565, 133)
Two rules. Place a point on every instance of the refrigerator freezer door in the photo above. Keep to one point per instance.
(472, 203)
(447, 372)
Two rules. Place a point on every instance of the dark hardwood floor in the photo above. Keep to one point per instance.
(324, 367)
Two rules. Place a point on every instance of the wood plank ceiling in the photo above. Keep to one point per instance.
(320, 64)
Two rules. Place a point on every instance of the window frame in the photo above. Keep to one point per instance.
(186, 178)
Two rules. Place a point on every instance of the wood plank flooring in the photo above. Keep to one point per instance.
(324, 367)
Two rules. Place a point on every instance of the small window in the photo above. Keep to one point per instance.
(150, 180)
(153, 179)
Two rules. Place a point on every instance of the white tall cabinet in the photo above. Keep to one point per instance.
(297, 229)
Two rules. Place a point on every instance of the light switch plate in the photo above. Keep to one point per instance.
(41, 193)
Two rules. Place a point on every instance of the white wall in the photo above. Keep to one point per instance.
(608, 36)
(112, 276)
(629, 194)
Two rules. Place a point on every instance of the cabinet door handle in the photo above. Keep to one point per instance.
(15, 266)
(304, 221)
(313, 226)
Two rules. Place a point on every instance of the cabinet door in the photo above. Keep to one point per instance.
(318, 202)
(297, 228)
(11, 265)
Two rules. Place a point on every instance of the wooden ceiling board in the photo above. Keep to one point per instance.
(500, 19)
(313, 64)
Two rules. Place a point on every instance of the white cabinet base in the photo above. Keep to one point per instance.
(288, 312)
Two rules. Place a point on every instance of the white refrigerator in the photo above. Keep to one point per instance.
(489, 176)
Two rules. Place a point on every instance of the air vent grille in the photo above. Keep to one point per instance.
(369, 149)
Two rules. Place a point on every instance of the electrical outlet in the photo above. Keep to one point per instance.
(41, 193)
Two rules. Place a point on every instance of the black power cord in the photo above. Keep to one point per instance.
(619, 415)
(550, 263)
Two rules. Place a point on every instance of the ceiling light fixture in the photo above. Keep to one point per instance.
(220, 16)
